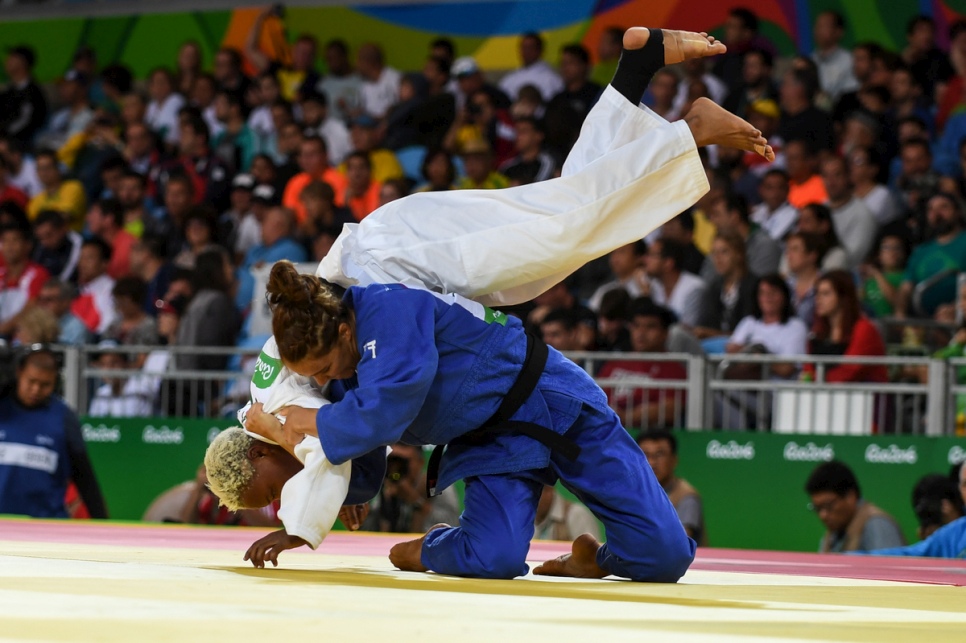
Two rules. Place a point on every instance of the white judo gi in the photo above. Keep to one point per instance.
(629, 172)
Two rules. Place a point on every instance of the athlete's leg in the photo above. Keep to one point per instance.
(645, 539)
(507, 246)
(495, 529)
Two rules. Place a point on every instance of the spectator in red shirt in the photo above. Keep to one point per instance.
(840, 328)
(105, 219)
(20, 278)
(8, 191)
(639, 405)
(313, 160)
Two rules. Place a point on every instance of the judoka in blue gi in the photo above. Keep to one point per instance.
(406, 364)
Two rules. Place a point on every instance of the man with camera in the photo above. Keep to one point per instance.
(41, 445)
(402, 505)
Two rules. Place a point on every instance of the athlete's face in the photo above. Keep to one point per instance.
(339, 363)
(273, 468)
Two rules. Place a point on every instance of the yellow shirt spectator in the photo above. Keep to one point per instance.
(68, 198)
(385, 166)
(495, 181)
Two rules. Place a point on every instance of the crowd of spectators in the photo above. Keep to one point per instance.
(139, 211)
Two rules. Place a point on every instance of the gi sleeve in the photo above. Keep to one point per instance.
(81, 471)
(395, 331)
(368, 472)
(311, 499)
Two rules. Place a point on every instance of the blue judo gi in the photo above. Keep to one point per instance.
(431, 372)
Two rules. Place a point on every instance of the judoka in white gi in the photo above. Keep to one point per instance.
(629, 172)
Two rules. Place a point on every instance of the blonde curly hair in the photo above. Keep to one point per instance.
(228, 468)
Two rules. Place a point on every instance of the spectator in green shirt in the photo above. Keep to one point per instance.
(882, 276)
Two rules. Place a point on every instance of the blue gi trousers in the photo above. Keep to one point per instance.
(645, 539)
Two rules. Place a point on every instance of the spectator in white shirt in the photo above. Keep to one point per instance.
(535, 71)
(341, 84)
(318, 122)
(834, 63)
(76, 114)
(775, 214)
(670, 285)
(21, 168)
(119, 396)
(380, 84)
(856, 227)
(163, 109)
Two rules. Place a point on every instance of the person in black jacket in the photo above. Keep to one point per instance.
(23, 108)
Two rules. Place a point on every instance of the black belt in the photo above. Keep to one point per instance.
(533, 365)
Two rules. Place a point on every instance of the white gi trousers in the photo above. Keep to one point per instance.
(629, 172)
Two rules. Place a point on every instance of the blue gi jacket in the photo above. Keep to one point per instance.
(949, 541)
(431, 372)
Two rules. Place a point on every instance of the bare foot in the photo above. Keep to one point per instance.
(678, 45)
(580, 563)
(711, 124)
(407, 556)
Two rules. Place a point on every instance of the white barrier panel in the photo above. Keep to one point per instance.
(823, 412)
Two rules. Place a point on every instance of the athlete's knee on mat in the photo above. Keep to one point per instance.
(499, 558)
(663, 560)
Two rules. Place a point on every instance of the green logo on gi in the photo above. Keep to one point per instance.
(266, 370)
(491, 316)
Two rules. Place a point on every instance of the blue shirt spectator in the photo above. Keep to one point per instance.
(277, 244)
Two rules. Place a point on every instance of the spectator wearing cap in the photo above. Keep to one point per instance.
(58, 247)
(341, 84)
(149, 263)
(317, 122)
(8, 191)
(533, 70)
(566, 111)
(55, 297)
(95, 304)
(531, 163)
(470, 80)
(365, 136)
(231, 219)
(236, 144)
(478, 168)
(23, 108)
(313, 160)
(645, 406)
(74, 117)
(105, 220)
(162, 116)
(20, 278)
(249, 234)
(65, 196)
(764, 115)
(380, 83)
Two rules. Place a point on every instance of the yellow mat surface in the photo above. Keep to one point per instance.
(125, 593)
